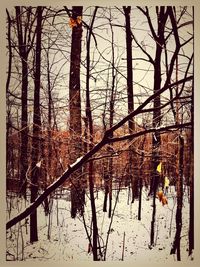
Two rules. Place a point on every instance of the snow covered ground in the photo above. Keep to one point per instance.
(68, 240)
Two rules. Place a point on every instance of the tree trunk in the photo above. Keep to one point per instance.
(89, 124)
(129, 58)
(36, 128)
(191, 184)
(26, 37)
(132, 177)
(24, 127)
(156, 141)
(24, 113)
(10, 52)
(48, 159)
(141, 174)
(179, 186)
(112, 102)
(108, 168)
(9, 147)
(77, 192)
(191, 223)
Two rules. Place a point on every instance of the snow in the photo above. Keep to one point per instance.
(76, 162)
(68, 239)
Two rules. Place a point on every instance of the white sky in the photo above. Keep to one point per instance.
(60, 39)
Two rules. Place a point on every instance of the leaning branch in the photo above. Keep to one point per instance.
(73, 167)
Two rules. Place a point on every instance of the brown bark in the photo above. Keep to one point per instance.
(129, 58)
(9, 150)
(77, 192)
(132, 176)
(24, 113)
(179, 186)
(162, 15)
(141, 174)
(89, 124)
(109, 162)
(36, 128)
(191, 218)
(24, 49)
(47, 162)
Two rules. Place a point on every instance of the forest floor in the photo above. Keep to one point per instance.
(62, 238)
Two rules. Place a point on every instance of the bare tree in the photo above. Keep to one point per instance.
(35, 169)
(108, 175)
(179, 184)
(77, 192)
(191, 183)
(132, 157)
(25, 41)
(89, 129)
(162, 15)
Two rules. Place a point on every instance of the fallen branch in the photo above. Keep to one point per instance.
(79, 162)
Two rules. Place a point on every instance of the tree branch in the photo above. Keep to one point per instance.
(152, 130)
(79, 162)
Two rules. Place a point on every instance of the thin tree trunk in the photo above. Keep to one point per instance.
(48, 160)
(131, 124)
(156, 141)
(109, 162)
(191, 218)
(36, 127)
(89, 124)
(112, 102)
(24, 127)
(141, 174)
(129, 58)
(140, 198)
(9, 147)
(49, 120)
(179, 185)
(23, 52)
(10, 52)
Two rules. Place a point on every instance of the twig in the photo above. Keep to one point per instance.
(123, 246)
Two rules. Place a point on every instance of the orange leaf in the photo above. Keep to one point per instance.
(160, 195)
(72, 23)
(164, 200)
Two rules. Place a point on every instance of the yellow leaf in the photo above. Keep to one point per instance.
(159, 167)
(166, 181)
